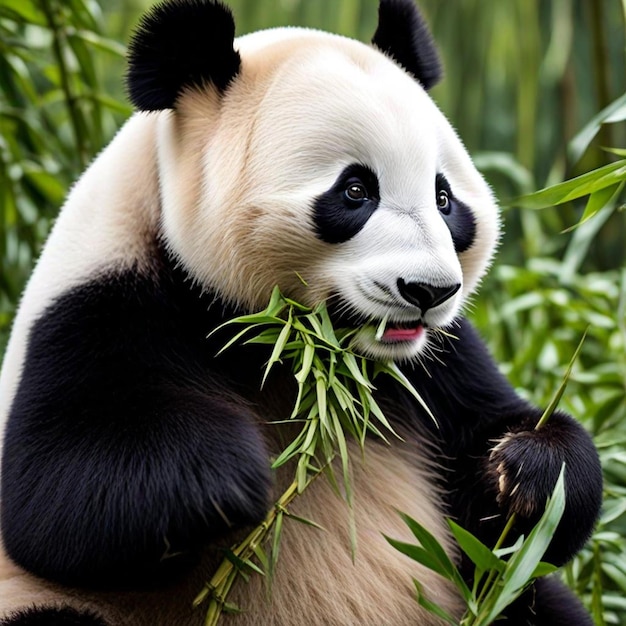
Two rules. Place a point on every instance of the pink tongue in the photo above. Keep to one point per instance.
(402, 334)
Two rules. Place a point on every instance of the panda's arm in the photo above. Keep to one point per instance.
(499, 463)
(122, 453)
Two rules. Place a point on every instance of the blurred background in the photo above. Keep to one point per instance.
(537, 91)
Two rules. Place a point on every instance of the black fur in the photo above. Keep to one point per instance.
(124, 450)
(52, 616)
(403, 35)
(181, 44)
(336, 218)
(547, 603)
(459, 218)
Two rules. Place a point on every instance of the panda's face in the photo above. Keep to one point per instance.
(331, 173)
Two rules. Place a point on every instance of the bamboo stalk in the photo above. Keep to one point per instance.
(50, 9)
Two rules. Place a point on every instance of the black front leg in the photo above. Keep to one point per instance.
(52, 616)
(130, 503)
(499, 463)
(124, 453)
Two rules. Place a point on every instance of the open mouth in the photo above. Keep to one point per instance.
(391, 340)
(381, 338)
(399, 332)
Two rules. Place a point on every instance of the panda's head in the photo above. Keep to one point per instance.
(306, 160)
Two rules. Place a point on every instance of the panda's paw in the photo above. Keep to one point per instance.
(523, 468)
(52, 616)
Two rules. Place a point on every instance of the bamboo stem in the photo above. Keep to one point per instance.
(222, 581)
(601, 65)
(58, 39)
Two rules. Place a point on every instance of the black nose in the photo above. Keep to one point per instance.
(425, 296)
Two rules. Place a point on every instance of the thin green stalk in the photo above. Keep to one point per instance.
(601, 64)
(597, 608)
(224, 577)
(49, 9)
(493, 573)
(559, 392)
(527, 93)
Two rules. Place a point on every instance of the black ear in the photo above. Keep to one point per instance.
(403, 35)
(178, 44)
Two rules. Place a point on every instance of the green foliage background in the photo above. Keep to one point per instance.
(535, 88)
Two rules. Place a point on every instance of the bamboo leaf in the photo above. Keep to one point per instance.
(308, 353)
(524, 563)
(355, 372)
(431, 544)
(291, 449)
(304, 520)
(320, 390)
(478, 552)
(614, 111)
(606, 176)
(231, 608)
(380, 331)
(235, 339)
(597, 201)
(302, 473)
(431, 606)
(544, 569)
(242, 564)
(102, 43)
(420, 555)
(316, 324)
(343, 453)
(394, 371)
(621, 152)
(328, 330)
(278, 349)
(278, 527)
(262, 556)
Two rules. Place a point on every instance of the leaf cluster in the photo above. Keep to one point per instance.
(501, 575)
(602, 186)
(335, 386)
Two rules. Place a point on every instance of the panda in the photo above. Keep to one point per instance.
(133, 453)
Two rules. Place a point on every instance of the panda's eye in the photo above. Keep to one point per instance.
(443, 201)
(355, 191)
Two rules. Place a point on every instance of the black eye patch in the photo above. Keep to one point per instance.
(457, 216)
(342, 211)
